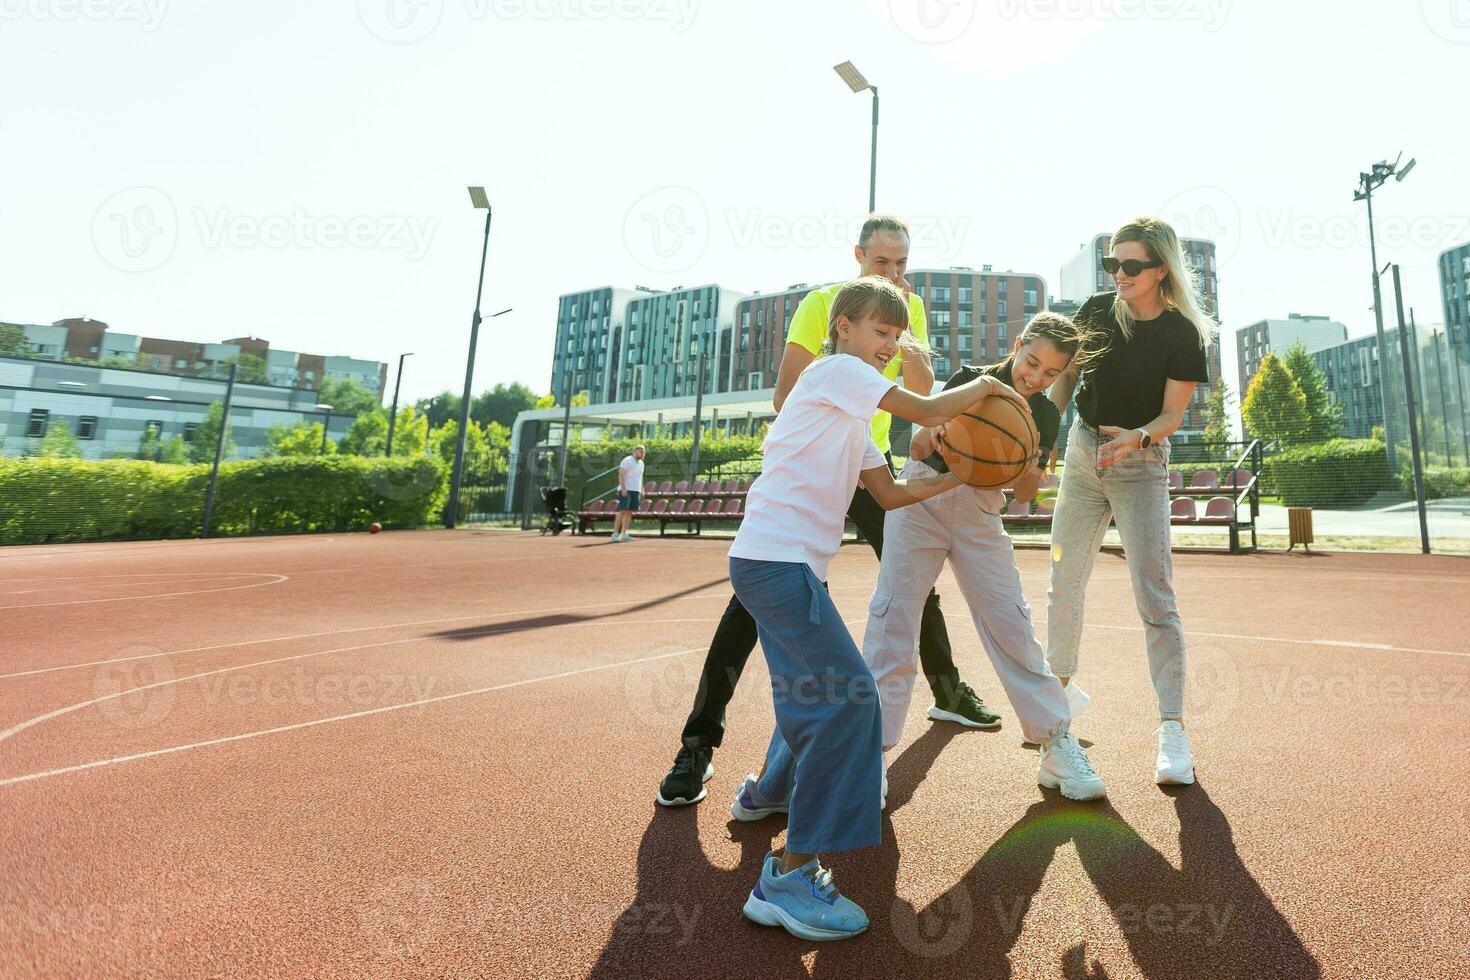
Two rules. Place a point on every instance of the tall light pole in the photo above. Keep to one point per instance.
(393, 413)
(451, 508)
(219, 451)
(858, 83)
(325, 426)
(1375, 177)
(1398, 297)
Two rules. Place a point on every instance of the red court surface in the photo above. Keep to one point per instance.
(435, 754)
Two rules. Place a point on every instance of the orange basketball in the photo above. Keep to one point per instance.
(990, 444)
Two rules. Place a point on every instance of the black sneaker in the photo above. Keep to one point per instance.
(965, 708)
(684, 784)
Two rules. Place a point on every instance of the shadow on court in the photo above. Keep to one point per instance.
(563, 619)
(1207, 918)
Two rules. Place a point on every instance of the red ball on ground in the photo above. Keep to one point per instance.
(374, 527)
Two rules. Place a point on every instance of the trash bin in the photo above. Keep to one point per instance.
(1299, 527)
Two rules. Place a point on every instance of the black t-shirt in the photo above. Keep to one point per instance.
(1048, 420)
(1125, 386)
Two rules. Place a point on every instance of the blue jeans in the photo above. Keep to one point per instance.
(825, 759)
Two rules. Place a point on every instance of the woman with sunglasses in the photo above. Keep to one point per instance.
(1130, 398)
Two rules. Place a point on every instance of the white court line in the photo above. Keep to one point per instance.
(99, 550)
(276, 580)
(1351, 644)
(12, 780)
(355, 629)
(48, 716)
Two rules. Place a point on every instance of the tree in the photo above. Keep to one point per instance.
(58, 442)
(252, 368)
(12, 339)
(302, 439)
(1324, 419)
(368, 435)
(150, 445)
(502, 404)
(347, 397)
(410, 432)
(546, 401)
(1275, 407)
(201, 446)
(176, 450)
(439, 409)
(1217, 417)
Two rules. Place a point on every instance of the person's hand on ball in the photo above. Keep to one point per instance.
(999, 389)
(1117, 448)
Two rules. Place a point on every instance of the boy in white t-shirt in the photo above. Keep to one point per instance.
(827, 714)
(630, 492)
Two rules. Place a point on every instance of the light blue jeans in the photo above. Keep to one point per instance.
(1134, 493)
(825, 758)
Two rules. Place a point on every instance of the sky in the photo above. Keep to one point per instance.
(204, 170)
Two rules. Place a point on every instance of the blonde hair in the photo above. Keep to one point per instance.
(878, 298)
(1179, 289)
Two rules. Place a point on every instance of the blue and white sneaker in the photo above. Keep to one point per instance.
(748, 806)
(804, 902)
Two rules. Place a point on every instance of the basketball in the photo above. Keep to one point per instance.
(374, 527)
(990, 444)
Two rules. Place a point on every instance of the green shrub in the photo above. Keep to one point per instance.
(1439, 481)
(1333, 474)
(52, 500)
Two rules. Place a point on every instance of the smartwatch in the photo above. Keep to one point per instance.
(1147, 439)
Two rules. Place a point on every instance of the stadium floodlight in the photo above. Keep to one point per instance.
(858, 84)
(851, 76)
(325, 425)
(1374, 178)
(157, 398)
(479, 199)
(72, 384)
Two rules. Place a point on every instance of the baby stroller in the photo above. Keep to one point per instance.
(555, 499)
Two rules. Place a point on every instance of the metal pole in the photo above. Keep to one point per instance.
(219, 451)
(698, 413)
(873, 161)
(393, 413)
(1383, 374)
(1444, 407)
(1413, 424)
(451, 508)
(325, 426)
(566, 419)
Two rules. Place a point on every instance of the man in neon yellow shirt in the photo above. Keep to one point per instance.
(882, 250)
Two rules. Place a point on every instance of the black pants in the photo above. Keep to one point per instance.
(735, 638)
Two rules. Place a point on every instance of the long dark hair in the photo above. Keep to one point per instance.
(1077, 341)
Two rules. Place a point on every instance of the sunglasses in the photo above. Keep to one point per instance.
(1131, 267)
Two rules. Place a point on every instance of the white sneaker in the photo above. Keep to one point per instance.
(883, 794)
(1064, 766)
(1175, 763)
(628, 537)
(616, 538)
(1077, 699)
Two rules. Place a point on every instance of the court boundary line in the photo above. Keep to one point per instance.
(278, 579)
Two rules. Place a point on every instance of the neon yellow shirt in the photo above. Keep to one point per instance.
(810, 325)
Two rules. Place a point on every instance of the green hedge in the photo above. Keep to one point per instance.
(1333, 474)
(1439, 481)
(45, 500)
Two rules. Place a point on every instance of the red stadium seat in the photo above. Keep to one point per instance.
(1176, 481)
(697, 488)
(680, 488)
(1239, 480)
(1181, 511)
(665, 488)
(660, 507)
(734, 508)
(677, 507)
(644, 505)
(1220, 510)
(1204, 480)
(696, 507)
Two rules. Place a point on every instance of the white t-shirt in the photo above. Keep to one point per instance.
(814, 452)
(631, 470)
